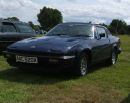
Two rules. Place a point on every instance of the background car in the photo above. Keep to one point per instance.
(75, 45)
(12, 31)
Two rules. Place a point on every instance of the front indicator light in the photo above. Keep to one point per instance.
(67, 57)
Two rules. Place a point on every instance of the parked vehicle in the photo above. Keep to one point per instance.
(12, 31)
(77, 45)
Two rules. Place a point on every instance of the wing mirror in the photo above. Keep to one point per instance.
(101, 35)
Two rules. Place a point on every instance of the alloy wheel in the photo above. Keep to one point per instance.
(83, 66)
(113, 57)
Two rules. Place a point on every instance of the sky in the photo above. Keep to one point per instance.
(97, 11)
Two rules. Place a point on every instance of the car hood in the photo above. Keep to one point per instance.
(47, 43)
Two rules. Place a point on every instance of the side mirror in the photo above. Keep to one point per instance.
(102, 35)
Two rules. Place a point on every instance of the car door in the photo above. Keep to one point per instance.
(101, 46)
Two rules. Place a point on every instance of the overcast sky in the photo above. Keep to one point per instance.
(97, 11)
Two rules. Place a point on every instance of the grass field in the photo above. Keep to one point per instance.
(102, 85)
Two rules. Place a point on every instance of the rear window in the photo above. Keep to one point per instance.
(24, 28)
(8, 27)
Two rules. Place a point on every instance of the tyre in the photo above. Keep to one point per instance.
(82, 67)
(113, 59)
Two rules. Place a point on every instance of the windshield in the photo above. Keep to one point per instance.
(72, 30)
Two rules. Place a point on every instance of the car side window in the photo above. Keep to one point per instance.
(101, 32)
(8, 27)
(24, 28)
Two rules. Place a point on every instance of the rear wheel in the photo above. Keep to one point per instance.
(82, 68)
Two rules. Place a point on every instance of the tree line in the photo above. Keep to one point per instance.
(119, 27)
(49, 17)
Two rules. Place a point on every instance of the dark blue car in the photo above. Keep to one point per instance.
(76, 45)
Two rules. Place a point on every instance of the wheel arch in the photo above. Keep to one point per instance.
(88, 52)
(115, 47)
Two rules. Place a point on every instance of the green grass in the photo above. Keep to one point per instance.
(102, 85)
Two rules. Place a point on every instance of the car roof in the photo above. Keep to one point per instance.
(81, 23)
(9, 21)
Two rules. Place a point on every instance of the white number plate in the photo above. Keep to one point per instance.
(24, 59)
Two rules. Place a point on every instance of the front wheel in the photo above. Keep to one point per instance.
(82, 68)
(113, 59)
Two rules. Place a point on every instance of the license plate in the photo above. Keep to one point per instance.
(24, 59)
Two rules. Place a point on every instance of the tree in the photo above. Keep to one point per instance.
(35, 27)
(12, 19)
(128, 27)
(31, 24)
(49, 17)
(118, 26)
(103, 24)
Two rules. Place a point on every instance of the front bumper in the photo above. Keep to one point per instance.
(43, 61)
